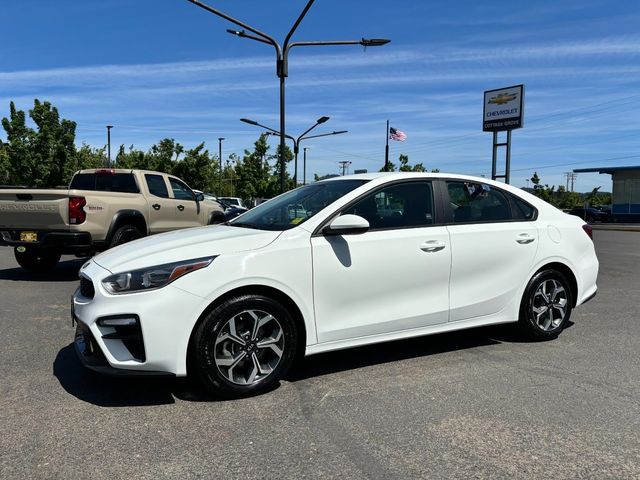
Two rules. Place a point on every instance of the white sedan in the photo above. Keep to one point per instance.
(366, 259)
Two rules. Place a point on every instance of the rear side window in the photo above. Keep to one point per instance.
(156, 185)
(476, 202)
(105, 182)
(523, 211)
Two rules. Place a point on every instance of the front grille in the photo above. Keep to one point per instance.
(86, 288)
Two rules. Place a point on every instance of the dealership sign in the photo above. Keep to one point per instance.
(503, 109)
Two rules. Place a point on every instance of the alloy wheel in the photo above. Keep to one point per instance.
(249, 347)
(549, 305)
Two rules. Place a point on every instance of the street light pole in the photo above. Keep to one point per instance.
(282, 59)
(220, 139)
(109, 127)
(296, 141)
(304, 166)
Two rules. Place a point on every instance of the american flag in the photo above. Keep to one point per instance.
(397, 135)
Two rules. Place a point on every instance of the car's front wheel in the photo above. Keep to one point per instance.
(244, 346)
(546, 305)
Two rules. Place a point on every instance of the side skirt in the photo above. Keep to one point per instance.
(415, 332)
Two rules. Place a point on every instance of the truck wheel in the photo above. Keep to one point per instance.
(124, 234)
(37, 260)
(217, 218)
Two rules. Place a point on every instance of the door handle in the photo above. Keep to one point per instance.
(431, 246)
(181, 207)
(156, 206)
(525, 238)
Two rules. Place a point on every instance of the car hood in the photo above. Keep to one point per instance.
(183, 245)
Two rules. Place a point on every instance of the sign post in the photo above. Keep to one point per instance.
(503, 110)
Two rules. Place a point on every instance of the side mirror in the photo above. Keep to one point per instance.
(346, 225)
(199, 197)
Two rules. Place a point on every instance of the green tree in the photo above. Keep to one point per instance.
(545, 192)
(132, 158)
(405, 166)
(39, 157)
(87, 157)
(17, 151)
(196, 168)
(4, 165)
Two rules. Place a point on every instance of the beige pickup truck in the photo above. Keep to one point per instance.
(101, 209)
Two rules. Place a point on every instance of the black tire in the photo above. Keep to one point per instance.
(37, 260)
(534, 323)
(217, 218)
(124, 234)
(208, 351)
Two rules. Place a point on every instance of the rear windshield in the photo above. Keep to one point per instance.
(105, 182)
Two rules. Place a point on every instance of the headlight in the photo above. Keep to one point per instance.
(151, 278)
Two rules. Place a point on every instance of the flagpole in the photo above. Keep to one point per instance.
(386, 151)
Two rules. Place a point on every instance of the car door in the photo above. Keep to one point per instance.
(391, 278)
(187, 210)
(493, 247)
(161, 208)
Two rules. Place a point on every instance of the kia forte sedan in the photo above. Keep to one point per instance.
(363, 259)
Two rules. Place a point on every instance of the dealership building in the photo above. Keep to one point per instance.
(626, 191)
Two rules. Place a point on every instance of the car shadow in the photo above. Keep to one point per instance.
(65, 271)
(105, 391)
(394, 351)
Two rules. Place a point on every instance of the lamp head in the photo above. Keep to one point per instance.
(374, 42)
(322, 120)
(249, 121)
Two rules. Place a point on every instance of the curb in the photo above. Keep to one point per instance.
(618, 228)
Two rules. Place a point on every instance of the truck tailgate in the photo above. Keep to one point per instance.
(34, 209)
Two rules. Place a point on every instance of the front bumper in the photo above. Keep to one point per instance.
(166, 319)
(91, 356)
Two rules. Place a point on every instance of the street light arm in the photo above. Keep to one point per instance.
(308, 130)
(268, 39)
(243, 34)
(275, 133)
(325, 134)
(295, 25)
(364, 42)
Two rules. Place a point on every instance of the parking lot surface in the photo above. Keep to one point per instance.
(474, 404)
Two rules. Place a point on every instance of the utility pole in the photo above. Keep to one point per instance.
(220, 165)
(571, 177)
(109, 127)
(344, 165)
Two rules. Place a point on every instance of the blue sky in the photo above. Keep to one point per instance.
(165, 68)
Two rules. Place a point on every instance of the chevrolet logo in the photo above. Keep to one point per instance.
(503, 98)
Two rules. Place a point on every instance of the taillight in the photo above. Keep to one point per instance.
(105, 171)
(76, 212)
(588, 230)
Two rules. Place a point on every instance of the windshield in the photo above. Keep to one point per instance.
(296, 206)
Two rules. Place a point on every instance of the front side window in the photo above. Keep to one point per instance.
(180, 190)
(402, 205)
(296, 206)
(477, 202)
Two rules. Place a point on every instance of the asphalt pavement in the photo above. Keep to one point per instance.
(474, 404)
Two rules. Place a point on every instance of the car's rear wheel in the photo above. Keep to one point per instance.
(38, 260)
(546, 305)
(244, 346)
